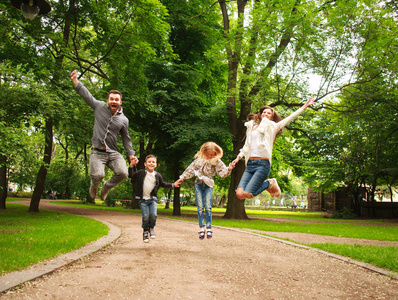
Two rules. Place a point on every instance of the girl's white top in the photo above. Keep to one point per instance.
(204, 170)
(266, 133)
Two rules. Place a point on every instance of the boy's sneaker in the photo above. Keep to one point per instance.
(152, 233)
(209, 234)
(146, 236)
(201, 234)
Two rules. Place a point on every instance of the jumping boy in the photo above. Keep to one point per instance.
(147, 182)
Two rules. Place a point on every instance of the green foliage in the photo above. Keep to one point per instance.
(356, 144)
(18, 194)
(344, 214)
(187, 79)
(63, 175)
(123, 191)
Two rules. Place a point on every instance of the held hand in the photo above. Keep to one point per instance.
(133, 161)
(235, 161)
(231, 166)
(177, 183)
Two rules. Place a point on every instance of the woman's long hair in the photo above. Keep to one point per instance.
(257, 117)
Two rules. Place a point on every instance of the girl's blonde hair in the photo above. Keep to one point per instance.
(207, 147)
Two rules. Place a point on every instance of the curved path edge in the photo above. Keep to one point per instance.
(336, 256)
(40, 269)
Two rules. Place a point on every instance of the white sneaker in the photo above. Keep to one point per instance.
(145, 236)
(152, 233)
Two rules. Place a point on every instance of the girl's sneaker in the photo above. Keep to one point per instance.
(209, 234)
(201, 234)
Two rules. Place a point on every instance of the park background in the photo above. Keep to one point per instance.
(190, 72)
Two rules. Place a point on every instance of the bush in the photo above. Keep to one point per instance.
(344, 214)
(19, 194)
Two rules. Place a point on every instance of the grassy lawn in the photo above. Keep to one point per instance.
(296, 221)
(28, 238)
(383, 257)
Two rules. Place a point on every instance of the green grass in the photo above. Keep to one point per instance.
(297, 221)
(383, 257)
(371, 232)
(28, 238)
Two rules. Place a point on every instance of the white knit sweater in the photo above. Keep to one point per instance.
(267, 133)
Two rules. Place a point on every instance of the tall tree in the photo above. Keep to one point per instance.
(269, 45)
(18, 104)
(85, 34)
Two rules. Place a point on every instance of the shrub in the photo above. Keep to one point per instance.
(344, 214)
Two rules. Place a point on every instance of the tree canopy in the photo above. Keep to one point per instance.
(191, 71)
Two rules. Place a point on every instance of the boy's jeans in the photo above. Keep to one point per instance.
(203, 197)
(253, 179)
(149, 213)
(114, 161)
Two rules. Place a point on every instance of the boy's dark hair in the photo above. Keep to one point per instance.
(150, 156)
(115, 92)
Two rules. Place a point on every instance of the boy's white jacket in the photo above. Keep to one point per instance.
(267, 130)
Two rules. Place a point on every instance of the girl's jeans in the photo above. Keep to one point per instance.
(253, 179)
(149, 213)
(114, 161)
(204, 197)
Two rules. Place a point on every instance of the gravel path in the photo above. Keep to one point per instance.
(177, 265)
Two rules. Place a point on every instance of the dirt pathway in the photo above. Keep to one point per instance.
(177, 265)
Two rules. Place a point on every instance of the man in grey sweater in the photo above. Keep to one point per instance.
(109, 123)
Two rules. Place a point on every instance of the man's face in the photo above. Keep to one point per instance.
(114, 102)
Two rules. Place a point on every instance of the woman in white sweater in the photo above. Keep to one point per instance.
(261, 133)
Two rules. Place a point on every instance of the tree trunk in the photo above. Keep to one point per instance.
(87, 175)
(41, 176)
(176, 202)
(392, 200)
(3, 181)
(235, 206)
(68, 193)
(135, 203)
(176, 199)
(167, 206)
(246, 90)
(222, 201)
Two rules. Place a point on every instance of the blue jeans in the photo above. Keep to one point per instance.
(114, 161)
(149, 211)
(253, 179)
(203, 197)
